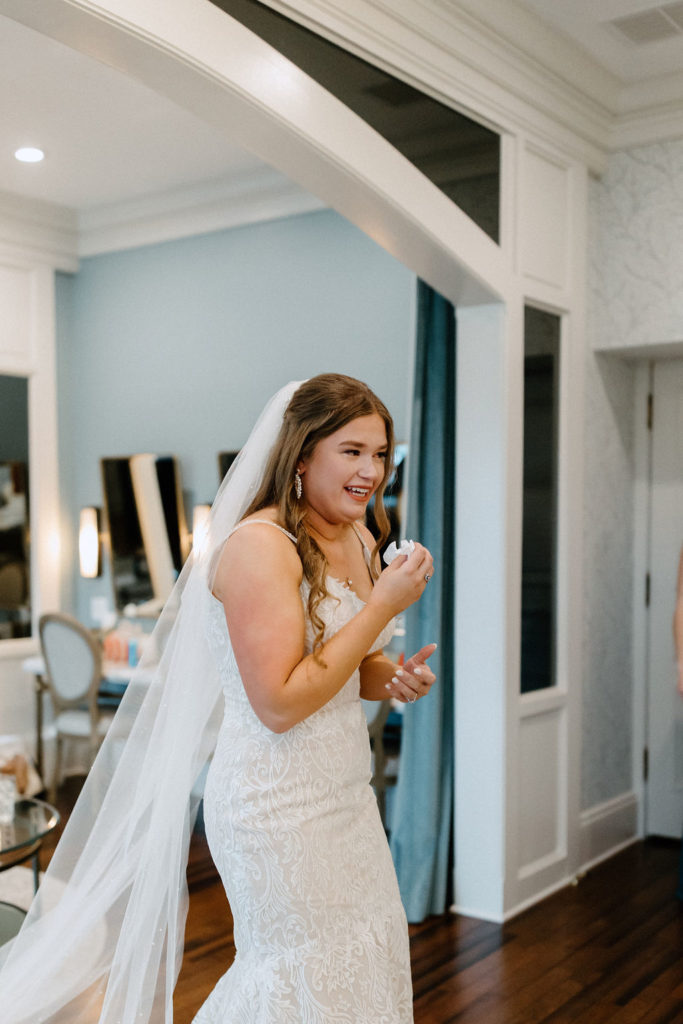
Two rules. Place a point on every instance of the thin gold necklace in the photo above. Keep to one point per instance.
(346, 581)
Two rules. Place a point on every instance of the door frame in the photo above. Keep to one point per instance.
(643, 438)
(641, 544)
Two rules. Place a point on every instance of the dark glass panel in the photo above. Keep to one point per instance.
(541, 375)
(457, 154)
(15, 575)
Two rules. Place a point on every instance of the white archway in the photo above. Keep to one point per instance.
(196, 55)
(204, 60)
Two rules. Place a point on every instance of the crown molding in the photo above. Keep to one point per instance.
(38, 232)
(264, 194)
(500, 63)
(648, 125)
(649, 111)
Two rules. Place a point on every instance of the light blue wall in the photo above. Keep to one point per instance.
(175, 348)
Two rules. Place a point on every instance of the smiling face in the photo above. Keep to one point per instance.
(345, 470)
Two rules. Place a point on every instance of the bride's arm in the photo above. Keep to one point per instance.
(381, 678)
(257, 581)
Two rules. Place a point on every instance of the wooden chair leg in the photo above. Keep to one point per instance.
(58, 770)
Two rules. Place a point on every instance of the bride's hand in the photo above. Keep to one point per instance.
(414, 679)
(403, 582)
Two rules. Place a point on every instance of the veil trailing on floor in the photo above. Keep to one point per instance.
(103, 940)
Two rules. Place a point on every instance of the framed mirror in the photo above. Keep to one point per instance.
(225, 461)
(15, 572)
(148, 539)
(542, 333)
(15, 603)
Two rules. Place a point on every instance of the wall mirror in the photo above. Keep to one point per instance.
(15, 590)
(148, 539)
(539, 555)
(225, 461)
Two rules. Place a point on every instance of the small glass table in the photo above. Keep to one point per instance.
(21, 838)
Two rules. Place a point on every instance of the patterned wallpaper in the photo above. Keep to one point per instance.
(608, 510)
(608, 547)
(636, 264)
(635, 298)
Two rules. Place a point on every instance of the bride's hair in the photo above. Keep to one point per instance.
(318, 408)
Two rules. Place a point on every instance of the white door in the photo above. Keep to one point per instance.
(664, 793)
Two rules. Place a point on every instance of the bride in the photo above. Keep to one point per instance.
(285, 614)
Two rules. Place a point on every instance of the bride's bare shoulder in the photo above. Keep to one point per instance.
(256, 550)
(270, 513)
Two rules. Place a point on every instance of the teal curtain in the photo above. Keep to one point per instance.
(423, 806)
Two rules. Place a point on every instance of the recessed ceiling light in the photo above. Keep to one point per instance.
(29, 155)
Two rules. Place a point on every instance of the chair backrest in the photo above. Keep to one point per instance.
(73, 660)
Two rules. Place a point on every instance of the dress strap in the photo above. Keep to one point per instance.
(366, 550)
(266, 522)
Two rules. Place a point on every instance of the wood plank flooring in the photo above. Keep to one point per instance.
(606, 951)
(609, 949)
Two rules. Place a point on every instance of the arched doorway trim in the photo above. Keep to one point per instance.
(196, 55)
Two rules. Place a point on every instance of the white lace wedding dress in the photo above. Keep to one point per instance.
(294, 829)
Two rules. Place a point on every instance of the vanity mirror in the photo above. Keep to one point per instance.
(148, 536)
(225, 461)
(15, 575)
(15, 606)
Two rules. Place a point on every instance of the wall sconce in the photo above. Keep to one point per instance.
(89, 543)
(200, 527)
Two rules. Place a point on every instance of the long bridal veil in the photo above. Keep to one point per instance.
(103, 940)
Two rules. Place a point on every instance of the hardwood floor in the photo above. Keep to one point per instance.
(606, 951)
(609, 949)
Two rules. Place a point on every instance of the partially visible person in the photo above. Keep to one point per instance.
(678, 645)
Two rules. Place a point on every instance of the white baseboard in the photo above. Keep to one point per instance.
(607, 828)
(537, 897)
(476, 913)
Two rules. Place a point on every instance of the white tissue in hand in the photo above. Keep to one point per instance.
(406, 548)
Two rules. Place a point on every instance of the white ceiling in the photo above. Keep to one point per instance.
(110, 140)
(648, 44)
(107, 138)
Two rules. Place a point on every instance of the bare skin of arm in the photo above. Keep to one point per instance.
(380, 677)
(678, 625)
(257, 580)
